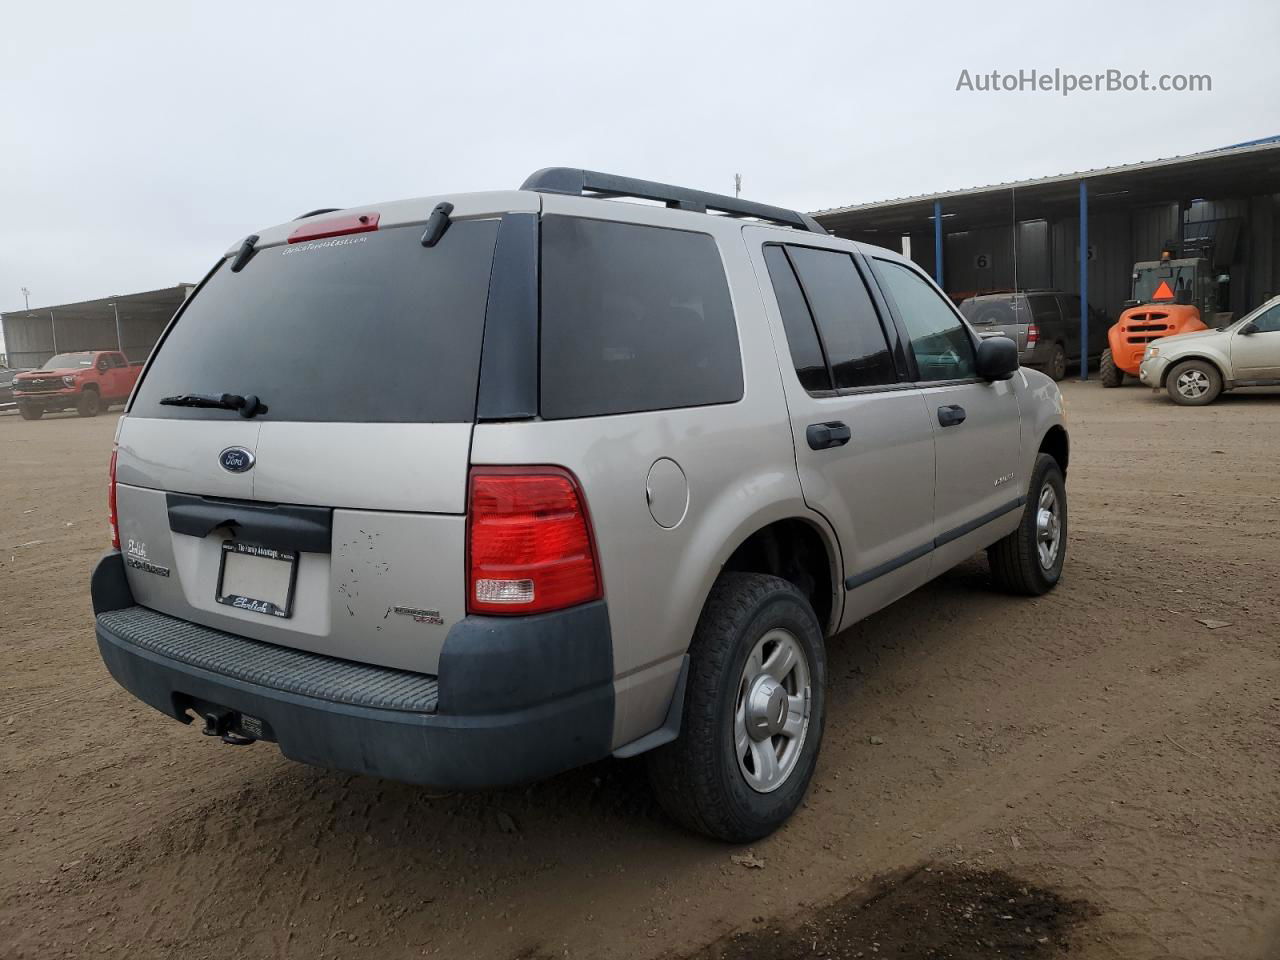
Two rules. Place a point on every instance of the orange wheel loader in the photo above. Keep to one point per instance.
(1170, 296)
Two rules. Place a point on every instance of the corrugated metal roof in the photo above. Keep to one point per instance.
(1263, 145)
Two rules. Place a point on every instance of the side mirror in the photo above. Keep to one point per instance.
(103, 365)
(1248, 329)
(997, 358)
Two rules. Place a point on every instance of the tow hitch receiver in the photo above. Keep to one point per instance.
(218, 723)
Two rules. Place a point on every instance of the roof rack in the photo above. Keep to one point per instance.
(578, 183)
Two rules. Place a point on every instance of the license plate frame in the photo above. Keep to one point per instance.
(280, 608)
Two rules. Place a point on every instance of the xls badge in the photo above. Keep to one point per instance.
(136, 557)
(1003, 480)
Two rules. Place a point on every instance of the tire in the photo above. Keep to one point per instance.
(1108, 372)
(89, 403)
(29, 412)
(1057, 368)
(1194, 383)
(1017, 561)
(704, 778)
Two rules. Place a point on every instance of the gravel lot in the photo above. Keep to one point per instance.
(1099, 753)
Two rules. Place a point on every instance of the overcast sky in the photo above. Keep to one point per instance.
(139, 140)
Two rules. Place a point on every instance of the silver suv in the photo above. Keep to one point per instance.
(470, 491)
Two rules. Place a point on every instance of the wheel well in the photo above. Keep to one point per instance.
(1056, 445)
(92, 386)
(1164, 376)
(795, 551)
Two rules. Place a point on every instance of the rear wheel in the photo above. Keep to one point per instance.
(1029, 560)
(1057, 368)
(1194, 383)
(1108, 372)
(753, 712)
(89, 404)
(30, 412)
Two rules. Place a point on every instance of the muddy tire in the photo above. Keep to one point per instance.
(1029, 560)
(754, 710)
(1057, 368)
(1108, 372)
(89, 404)
(1194, 383)
(30, 412)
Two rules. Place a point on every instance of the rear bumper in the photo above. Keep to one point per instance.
(518, 698)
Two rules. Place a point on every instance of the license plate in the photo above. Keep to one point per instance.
(257, 579)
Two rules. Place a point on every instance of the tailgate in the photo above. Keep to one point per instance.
(333, 520)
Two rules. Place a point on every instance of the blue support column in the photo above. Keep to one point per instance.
(937, 241)
(1084, 280)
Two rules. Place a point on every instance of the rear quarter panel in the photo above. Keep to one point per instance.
(740, 469)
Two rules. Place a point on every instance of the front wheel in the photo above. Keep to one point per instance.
(1029, 560)
(1194, 383)
(30, 412)
(89, 404)
(1108, 372)
(753, 712)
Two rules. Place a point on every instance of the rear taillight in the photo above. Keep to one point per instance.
(1033, 335)
(111, 504)
(529, 544)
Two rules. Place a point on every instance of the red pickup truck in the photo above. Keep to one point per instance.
(88, 381)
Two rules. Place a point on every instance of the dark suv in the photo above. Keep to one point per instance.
(1045, 324)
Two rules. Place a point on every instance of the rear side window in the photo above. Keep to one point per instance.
(802, 339)
(846, 317)
(1044, 308)
(365, 328)
(633, 318)
(939, 340)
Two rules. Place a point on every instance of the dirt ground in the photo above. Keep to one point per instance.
(1095, 770)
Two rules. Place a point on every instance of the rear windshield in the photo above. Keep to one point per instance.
(1000, 309)
(371, 327)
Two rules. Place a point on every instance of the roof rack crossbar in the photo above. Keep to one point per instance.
(575, 182)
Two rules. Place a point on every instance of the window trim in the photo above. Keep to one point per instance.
(896, 313)
(891, 334)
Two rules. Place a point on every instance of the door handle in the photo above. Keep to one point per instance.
(951, 415)
(823, 436)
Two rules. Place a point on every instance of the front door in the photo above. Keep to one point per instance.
(863, 441)
(978, 493)
(1256, 356)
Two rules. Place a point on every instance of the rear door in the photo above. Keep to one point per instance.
(975, 423)
(332, 521)
(863, 443)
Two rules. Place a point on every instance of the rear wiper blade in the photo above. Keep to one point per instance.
(249, 406)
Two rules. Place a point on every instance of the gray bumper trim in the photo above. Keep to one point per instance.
(267, 665)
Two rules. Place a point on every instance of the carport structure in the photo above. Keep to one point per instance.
(131, 323)
(1082, 232)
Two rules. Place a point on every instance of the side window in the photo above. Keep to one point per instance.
(845, 316)
(1044, 308)
(940, 342)
(633, 318)
(802, 339)
(1269, 322)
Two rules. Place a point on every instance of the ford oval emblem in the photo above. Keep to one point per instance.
(236, 459)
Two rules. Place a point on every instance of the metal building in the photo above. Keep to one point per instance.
(1223, 204)
(130, 323)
